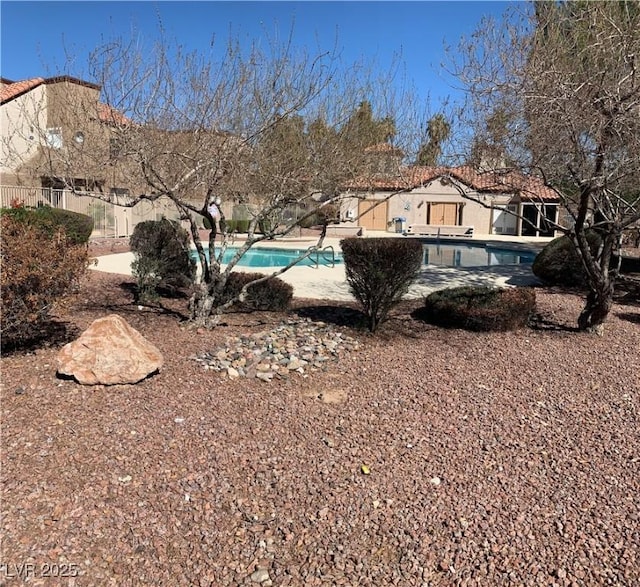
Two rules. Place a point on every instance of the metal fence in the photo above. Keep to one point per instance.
(109, 220)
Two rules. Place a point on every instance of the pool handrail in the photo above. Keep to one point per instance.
(322, 251)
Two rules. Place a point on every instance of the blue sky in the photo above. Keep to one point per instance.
(37, 36)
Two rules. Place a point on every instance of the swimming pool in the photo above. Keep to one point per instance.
(273, 257)
(435, 253)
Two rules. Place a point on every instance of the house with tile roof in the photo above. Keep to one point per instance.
(43, 119)
(451, 201)
(59, 141)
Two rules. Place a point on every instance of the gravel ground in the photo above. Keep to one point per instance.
(419, 457)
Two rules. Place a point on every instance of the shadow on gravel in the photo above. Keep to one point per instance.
(130, 306)
(629, 317)
(51, 334)
(337, 315)
(540, 322)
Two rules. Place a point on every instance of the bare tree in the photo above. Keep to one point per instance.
(268, 128)
(557, 88)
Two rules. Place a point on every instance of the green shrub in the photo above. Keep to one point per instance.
(379, 272)
(162, 257)
(480, 308)
(78, 227)
(272, 294)
(310, 221)
(242, 226)
(238, 226)
(559, 263)
(232, 225)
(39, 268)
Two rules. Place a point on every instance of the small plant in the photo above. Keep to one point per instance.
(39, 268)
(379, 272)
(162, 257)
(479, 308)
(272, 295)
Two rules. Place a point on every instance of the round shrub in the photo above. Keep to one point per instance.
(162, 257)
(39, 268)
(479, 308)
(379, 272)
(559, 263)
(78, 227)
(272, 295)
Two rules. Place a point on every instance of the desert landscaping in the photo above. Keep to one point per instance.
(419, 456)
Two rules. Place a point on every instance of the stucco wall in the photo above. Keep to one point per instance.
(21, 121)
(413, 205)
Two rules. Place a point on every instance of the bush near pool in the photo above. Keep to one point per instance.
(273, 294)
(479, 308)
(379, 272)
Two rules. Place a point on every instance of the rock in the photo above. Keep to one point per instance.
(232, 373)
(294, 363)
(260, 576)
(109, 352)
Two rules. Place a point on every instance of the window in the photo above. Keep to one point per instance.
(538, 220)
(54, 138)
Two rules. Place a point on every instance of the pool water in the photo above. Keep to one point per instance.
(439, 254)
(271, 257)
(474, 255)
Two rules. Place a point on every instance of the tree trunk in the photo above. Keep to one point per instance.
(600, 279)
(597, 307)
(202, 306)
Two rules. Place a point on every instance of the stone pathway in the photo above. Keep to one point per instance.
(296, 346)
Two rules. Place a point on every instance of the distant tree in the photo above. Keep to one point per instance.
(563, 78)
(364, 130)
(438, 131)
(490, 144)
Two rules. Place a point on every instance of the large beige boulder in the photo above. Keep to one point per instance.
(109, 352)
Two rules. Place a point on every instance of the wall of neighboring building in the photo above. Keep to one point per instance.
(21, 124)
(424, 205)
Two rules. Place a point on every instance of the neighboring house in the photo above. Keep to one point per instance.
(47, 126)
(58, 141)
(429, 200)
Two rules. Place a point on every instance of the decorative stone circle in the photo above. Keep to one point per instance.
(295, 346)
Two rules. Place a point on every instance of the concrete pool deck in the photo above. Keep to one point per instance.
(330, 283)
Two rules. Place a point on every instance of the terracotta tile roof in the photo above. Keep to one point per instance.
(110, 115)
(15, 89)
(507, 182)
